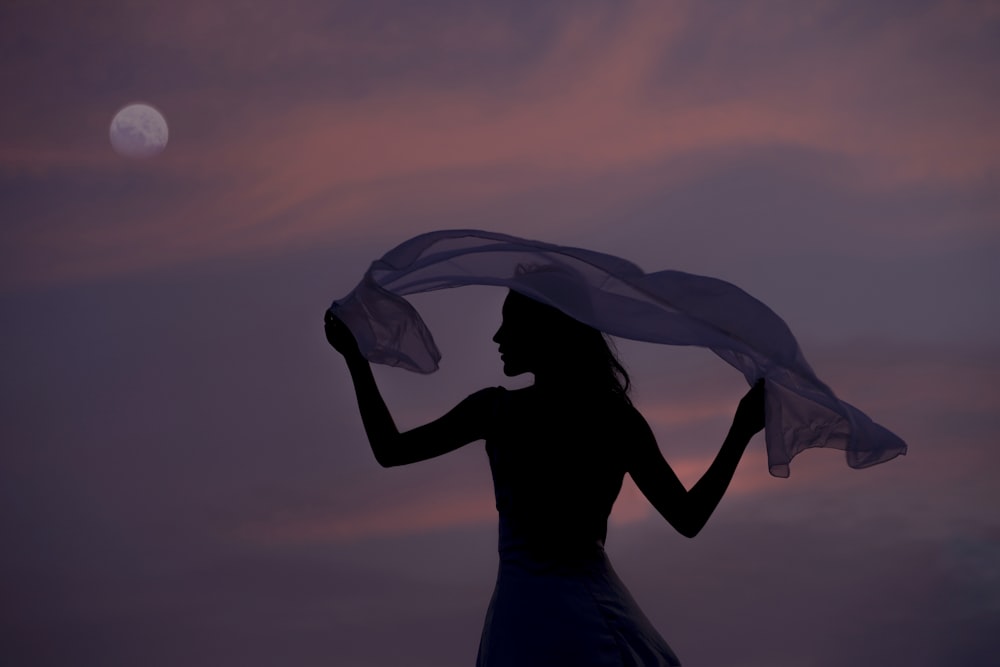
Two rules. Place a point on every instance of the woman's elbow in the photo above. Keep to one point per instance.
(387, 461)
(689, 532)
(385, 456)
(679, 517)
(688, 527)
(385, 446)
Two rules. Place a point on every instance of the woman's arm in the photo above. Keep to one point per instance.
(462, 425)
(688, 511)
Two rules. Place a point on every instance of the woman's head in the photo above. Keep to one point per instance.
(537, 338)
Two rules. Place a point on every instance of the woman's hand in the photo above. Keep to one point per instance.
(339, 336)
(749, 417)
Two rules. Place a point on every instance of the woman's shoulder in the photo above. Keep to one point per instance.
(633, 417)
(504, 395)
(492, 394)
(503, 405)
(492, 406)
(619, 416)
(491, 401)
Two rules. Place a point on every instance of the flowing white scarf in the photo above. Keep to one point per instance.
(618, 298)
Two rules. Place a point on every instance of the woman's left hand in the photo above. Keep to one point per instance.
(339, 336)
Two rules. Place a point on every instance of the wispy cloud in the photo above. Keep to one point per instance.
(610, 92)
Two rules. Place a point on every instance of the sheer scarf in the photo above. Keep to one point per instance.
(615, 296)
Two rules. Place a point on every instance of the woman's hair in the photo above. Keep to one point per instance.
(583, 351)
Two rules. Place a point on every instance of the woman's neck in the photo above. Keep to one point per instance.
(564, 385)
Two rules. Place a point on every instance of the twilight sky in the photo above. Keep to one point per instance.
(183, 473)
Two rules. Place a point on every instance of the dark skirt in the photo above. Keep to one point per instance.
(566, 613)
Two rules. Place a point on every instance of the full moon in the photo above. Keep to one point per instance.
(138, 131)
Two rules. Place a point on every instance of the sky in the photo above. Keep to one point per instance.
(184, 478)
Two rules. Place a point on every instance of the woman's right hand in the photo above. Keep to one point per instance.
(339, 336)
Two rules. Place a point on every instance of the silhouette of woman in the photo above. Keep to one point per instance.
(558, 451)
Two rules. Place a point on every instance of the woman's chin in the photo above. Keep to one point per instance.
(512, 371)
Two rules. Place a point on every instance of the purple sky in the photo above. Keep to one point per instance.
(184, 477)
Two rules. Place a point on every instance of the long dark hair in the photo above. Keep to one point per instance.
(585, 353)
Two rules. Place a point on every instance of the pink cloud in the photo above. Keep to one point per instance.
(428, 512)
(889, 382)
(446, 508)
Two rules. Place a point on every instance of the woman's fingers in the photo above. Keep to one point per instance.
(339, 335)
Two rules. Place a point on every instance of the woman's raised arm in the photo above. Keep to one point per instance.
(688, 510)
(465, 423)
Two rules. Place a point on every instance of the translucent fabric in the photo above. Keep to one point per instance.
(618, 298)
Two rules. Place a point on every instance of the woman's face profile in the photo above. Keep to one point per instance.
(515, 337)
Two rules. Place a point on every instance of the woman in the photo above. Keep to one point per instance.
(558, 451)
